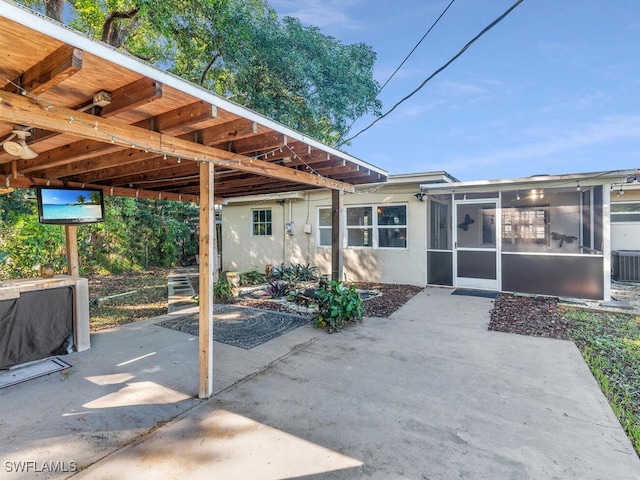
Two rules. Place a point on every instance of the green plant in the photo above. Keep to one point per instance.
(278, 288)
(222, 290)
(252, 277)
(299, 273)
(337, 305)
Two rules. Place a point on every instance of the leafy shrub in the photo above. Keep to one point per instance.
(337, 305)
(299, 273)
(253, 277)
(222, 290)
(277, 288)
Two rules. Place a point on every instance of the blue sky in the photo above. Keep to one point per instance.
(553, 88)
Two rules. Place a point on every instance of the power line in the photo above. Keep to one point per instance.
(416, 46)
(454, 58)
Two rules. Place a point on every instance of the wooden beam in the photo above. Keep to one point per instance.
(73, 152)
(259, 143)
(18, 109)
(123, 158)
(54, 69)
(227, 132)
(73, 264)
(28, 182)
(131, 96)
(208, 277)
(150, 169)
(184, 119)
(179, 121)
(337, 260)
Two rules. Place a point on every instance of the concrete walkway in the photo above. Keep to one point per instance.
(427, 393)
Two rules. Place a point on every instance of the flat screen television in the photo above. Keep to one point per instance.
(70, 206)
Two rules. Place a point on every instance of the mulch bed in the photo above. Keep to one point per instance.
(391, 299)
(535, 316)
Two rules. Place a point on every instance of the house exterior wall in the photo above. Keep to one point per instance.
(625, 236)
(243, 251)
(584, 217)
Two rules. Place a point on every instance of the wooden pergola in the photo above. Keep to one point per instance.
(99, 118)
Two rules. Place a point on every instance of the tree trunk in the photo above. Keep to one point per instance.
(114, 33)
(53, 9)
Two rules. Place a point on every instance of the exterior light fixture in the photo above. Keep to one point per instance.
(19, 147)
(420, 196)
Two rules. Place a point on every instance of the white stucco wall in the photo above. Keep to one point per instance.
(625, 236)
(242, 251)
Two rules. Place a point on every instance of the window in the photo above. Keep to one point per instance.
(261, 222)
(359, 226)
(392, 226)
(386, 229)
(324, 227)
(524, 225)
(625, 212)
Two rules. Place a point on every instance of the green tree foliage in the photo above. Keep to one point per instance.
(136, 234)
(242, 50)
(25, 244)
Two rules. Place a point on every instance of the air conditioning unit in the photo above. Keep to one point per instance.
(626, 265)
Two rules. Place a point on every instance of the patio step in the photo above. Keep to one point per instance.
(181, 291)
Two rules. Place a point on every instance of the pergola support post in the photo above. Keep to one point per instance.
(337, 234)
(208, 276)
(73, 264)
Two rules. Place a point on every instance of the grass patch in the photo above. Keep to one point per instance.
(149, 300)
(610, 344)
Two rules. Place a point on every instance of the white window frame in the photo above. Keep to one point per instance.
(616, 214)
(403, 226)
(322, 228)
(372, 226)
(526, 225)
(254, 223)
(368, 225)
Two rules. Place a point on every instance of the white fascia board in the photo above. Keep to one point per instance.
(264, 198)
(422, 177)
(548, 181)
(46, 26)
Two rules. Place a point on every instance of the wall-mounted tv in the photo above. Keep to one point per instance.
(70, 206)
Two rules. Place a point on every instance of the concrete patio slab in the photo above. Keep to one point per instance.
(133, 379)
(427, 393)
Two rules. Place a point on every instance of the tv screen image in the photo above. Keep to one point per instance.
(70, 206)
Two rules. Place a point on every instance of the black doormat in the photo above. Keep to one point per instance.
(22, 373)
(242, 327)
(475, 293)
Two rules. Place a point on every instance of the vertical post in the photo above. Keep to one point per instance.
(337, 234)
(73, 264)
(208, 272)
(606, 240)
